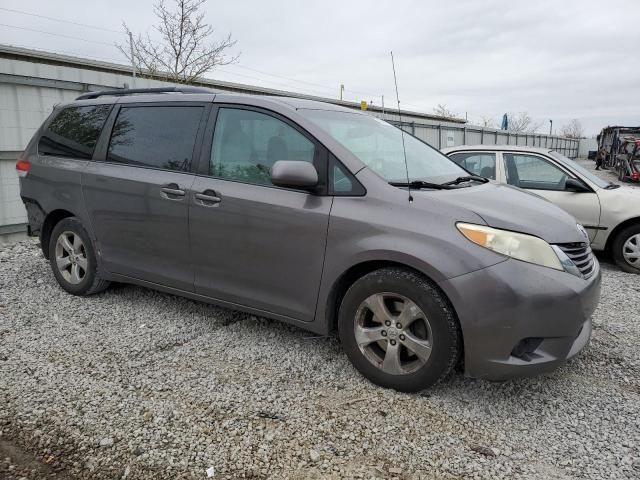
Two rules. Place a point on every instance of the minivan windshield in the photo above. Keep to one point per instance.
(378, 144)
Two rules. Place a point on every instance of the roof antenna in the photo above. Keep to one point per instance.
(404, 150)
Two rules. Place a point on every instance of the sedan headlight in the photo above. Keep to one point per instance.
(516, 245)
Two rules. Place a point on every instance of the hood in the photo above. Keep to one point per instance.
(510, 208)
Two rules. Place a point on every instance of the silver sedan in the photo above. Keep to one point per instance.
(610, 213)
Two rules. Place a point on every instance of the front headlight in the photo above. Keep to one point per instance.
(516, 245)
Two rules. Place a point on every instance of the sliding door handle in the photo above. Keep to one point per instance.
(172, 190)
(208, 198)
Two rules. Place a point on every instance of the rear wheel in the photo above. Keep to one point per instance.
(626, 249)
(73, 258)
(399, 330)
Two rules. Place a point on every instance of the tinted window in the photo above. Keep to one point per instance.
(159, 137)
(478, 163)
(74, 132)
(533, 172)
(246, 144)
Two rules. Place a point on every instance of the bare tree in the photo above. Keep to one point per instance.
(522, 123)
(442, 111)
(184, 52)
(573, 129)
(487, 122)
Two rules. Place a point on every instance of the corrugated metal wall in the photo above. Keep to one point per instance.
(441, 136)
(29, 89)
(587, 144)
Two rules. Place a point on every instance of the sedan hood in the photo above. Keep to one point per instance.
(509, 208)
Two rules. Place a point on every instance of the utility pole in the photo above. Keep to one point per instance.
(133, 61)
(341, 90)
(382, 104)
(550, 127)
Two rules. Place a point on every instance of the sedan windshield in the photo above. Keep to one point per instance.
(379, 145)
(580, 169)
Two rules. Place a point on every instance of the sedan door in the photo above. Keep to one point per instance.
(542, 176)
(137, 198)
(254, 244)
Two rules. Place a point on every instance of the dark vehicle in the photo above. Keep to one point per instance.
(628, 160)
(610, 141)
(308, 213)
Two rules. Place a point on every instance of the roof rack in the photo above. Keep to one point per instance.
(135, 91)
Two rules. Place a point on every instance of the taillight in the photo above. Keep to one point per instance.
(635, 176)
(22, 167)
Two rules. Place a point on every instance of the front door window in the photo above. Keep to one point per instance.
(247, 143)
(533, 172)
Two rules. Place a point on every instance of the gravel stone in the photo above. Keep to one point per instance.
(183, 386)
(106, 442)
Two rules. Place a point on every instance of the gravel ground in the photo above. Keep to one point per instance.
(133, 383)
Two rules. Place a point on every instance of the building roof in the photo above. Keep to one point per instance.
(39, 56)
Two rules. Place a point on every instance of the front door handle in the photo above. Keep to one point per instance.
(208, 198)
(172, 190)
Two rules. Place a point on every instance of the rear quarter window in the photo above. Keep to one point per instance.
(73, 132)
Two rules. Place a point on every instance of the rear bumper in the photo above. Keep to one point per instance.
(35, 215)
(519, 319)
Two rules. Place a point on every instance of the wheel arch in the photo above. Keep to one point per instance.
(618, 228)
(357, 271)
(50, 221)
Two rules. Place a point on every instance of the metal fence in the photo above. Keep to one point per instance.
(441, 136)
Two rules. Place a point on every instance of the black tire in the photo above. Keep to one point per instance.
(446, 344)
(90, 282)
(617, 248)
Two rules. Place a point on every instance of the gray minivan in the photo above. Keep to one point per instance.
(316, 215)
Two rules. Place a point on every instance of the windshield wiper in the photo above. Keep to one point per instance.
(612, 186)
(418, 184)
(468, 178)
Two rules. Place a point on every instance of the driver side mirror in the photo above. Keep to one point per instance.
(575, 185)
(294, 174)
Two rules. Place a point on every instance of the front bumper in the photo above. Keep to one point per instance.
(519, 319)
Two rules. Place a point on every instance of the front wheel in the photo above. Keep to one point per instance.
(73, 258)
(398, 330)
(626, 249)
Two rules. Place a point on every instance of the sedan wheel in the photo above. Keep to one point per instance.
(625, 248)
(631, 251)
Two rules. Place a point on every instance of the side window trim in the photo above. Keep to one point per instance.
(321, 155)
(100, 153)
(102, 148)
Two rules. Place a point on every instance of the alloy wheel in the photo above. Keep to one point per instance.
(71, 257)
(631, 250)
(393, 333)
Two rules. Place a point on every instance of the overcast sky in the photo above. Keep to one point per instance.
(553, 59)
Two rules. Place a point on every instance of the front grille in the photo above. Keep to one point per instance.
(581, 255)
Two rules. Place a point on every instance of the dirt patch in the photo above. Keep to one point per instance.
(16, 463)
